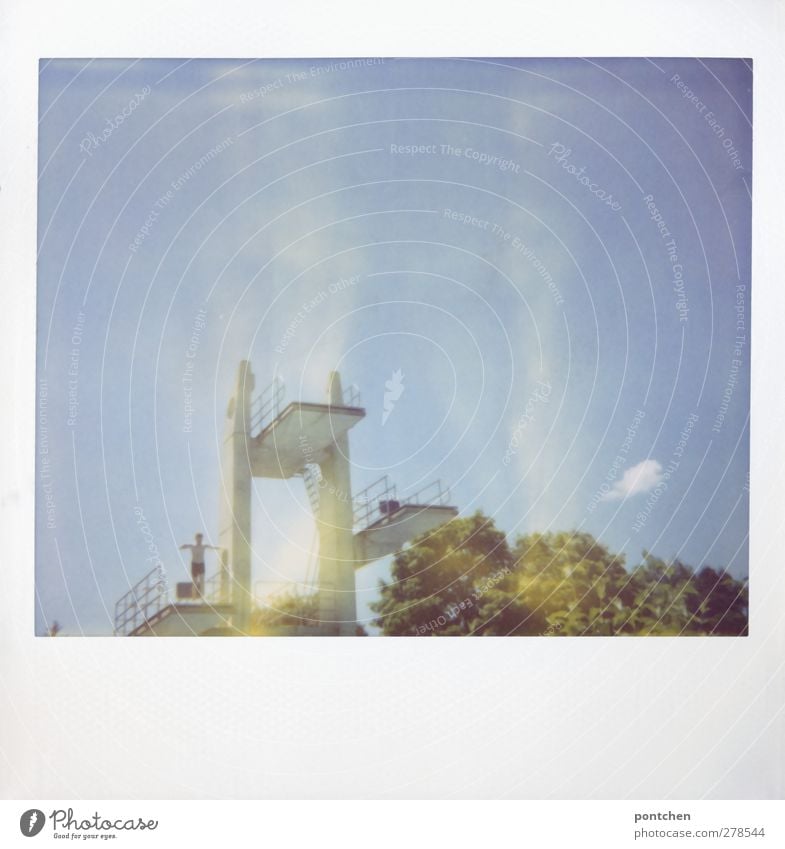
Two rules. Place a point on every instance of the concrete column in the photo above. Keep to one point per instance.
(225, 580)
(336, 541)
(235, 495)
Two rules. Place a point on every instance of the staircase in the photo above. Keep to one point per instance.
(147, 610)
(312, 477)
(143, 603)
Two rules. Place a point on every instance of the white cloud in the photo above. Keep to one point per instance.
(640, 478)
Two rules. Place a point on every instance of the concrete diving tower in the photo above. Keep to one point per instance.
(311, 440)
(302, 433)
(261, 440)
(265, 440)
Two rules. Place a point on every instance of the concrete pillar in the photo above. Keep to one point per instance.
(336, 542)
(235, 495)
(225, 580)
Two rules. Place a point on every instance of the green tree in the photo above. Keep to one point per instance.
(438, 582)
(719, 604)
(561, 583)
(662, 595)
(287, 609)
(464, 579)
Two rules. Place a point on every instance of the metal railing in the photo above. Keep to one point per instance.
(432, 495)
(266, 407)
(351, 396)
(380, 500)
(312, 477)
(367, 509)
(216, 590)
(143, 601)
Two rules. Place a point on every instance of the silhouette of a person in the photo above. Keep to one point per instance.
(197, 561)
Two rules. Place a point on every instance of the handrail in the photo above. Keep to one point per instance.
(380, 500)
(432, 495)
(370, 502)
(141, 602)
(312, 477)
(215, 590)
(351, 396)
(266, 407)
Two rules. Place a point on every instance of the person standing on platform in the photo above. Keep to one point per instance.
(197, 562)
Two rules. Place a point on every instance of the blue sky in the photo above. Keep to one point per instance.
(566, 247)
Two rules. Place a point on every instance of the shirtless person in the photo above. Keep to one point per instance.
(197, 562)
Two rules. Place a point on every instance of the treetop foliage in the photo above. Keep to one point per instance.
(466, 579)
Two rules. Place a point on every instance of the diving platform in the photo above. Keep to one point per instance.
(186, 620)
(147, 610)
(389, 534)
(302, 433)
(384, 524)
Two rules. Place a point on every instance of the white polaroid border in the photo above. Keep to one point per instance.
(392, 718)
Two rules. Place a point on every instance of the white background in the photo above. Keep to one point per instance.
(494, 718)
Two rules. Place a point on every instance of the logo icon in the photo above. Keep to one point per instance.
(393, 390)
(31, 822)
